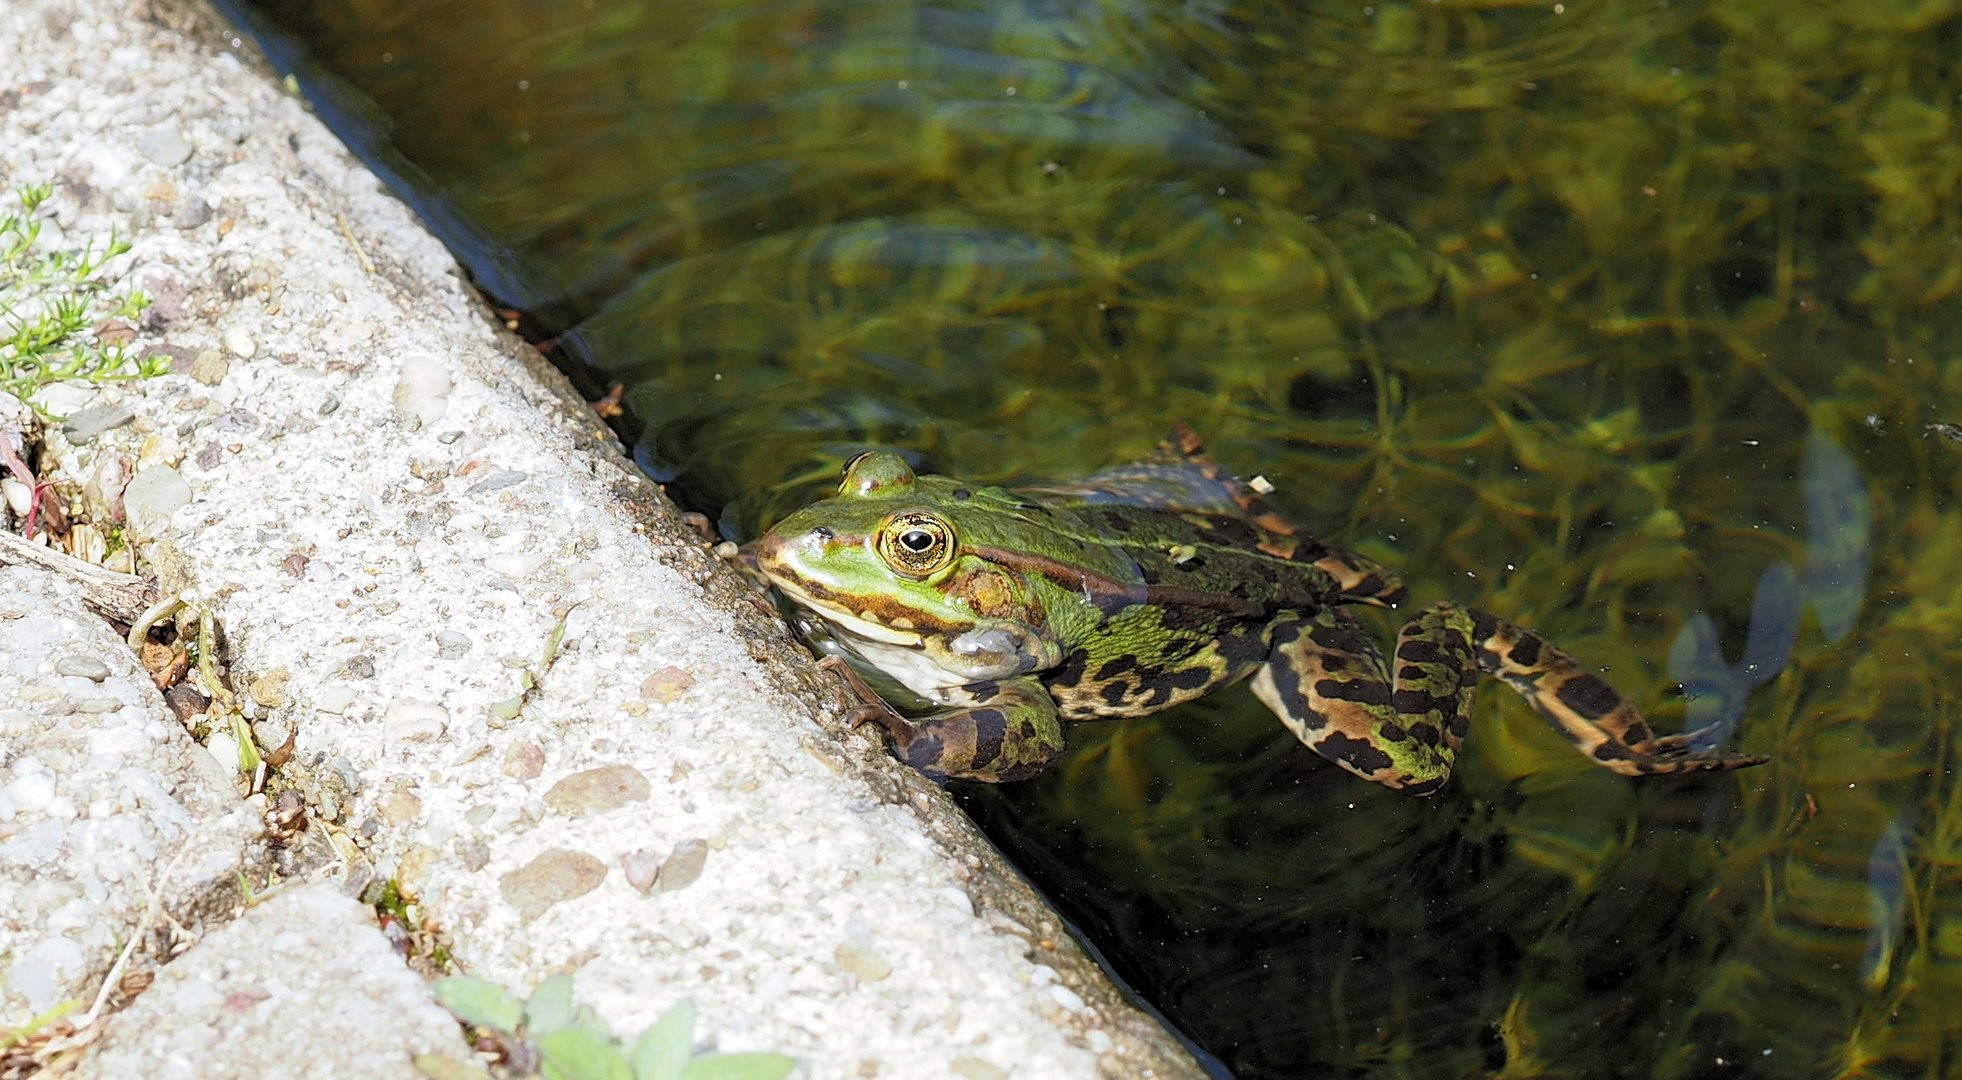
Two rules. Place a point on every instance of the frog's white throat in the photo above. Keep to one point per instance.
(899, 652)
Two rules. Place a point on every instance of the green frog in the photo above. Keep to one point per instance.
(1014, 610)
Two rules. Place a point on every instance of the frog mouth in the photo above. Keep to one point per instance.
(853, 622)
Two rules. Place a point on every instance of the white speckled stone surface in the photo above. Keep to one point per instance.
(100, 790)
(391, 504)
(306, 979)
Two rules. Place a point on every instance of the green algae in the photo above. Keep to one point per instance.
(1541, 305)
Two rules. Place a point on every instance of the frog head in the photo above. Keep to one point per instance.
(888, 565)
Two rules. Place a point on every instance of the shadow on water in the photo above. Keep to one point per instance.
(1631, 322)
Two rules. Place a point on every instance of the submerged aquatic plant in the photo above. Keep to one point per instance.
(1838, 550)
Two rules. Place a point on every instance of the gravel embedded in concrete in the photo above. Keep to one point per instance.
(302, 985)
(379, 493)
(103, 797)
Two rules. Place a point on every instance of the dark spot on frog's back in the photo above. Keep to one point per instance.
(1411, 702)
(1230, 532)
(1419, 651)
(1422, 787)
(1070, 671)
(990, 725)
(1243, 644)
(1116, 666)
(1588, 696)
(1366, 691)
(1343, 636)
(1358, 754)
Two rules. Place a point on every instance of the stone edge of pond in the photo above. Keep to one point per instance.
(393, 509)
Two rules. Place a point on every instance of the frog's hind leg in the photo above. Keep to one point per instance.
(1326, 679)
(1005, 730)
(1580, 704)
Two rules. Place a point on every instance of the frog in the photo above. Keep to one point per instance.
(1011, 612)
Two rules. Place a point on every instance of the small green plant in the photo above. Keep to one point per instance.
(552, 1036)
(57, 307)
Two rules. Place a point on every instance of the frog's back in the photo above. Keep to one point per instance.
(1185, 519)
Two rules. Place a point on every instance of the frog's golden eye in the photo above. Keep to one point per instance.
(916, 544)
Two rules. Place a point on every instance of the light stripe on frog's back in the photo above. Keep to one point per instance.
(1110, 597)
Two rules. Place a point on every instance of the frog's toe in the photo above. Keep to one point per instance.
(1673, 754)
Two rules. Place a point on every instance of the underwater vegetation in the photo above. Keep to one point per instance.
(1640, 324)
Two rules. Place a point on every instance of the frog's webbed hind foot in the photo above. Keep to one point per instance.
(1682, 753)
(1582, 706)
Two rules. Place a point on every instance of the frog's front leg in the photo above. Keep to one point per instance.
(1326, 679)
(1005, 730)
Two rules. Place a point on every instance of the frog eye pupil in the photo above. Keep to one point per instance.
(916, 544)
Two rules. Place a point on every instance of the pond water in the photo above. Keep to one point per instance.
(1638, 323)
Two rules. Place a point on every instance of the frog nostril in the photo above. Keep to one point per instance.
(822, 534)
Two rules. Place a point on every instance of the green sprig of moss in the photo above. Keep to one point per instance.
(53, 302)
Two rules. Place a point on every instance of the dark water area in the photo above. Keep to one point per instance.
(1637, 323)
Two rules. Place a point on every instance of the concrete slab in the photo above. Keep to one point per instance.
(395, 510)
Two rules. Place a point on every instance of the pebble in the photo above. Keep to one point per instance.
(969, 1067)
(496, 480)
(867, 963)
(67, 398)
(1067, 998)
(185, 702)
(334, 699)
(451, 645)
(152, 496)
(400, 808)
(683, 865)
(475, 853)
(666, 685)
(103, 493)
(233, 423)
(190, 212)
(82, 427)
(553, 877)
(84, 667)
(165, 145)
(643, 868)
(269, 689)
(240, 343)
(224, 749)
(32, 788)
(422, 394)
(514, 564)
(210, 367)
(272, 734)
(524, 761)
(595, 791)
(411, 720)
